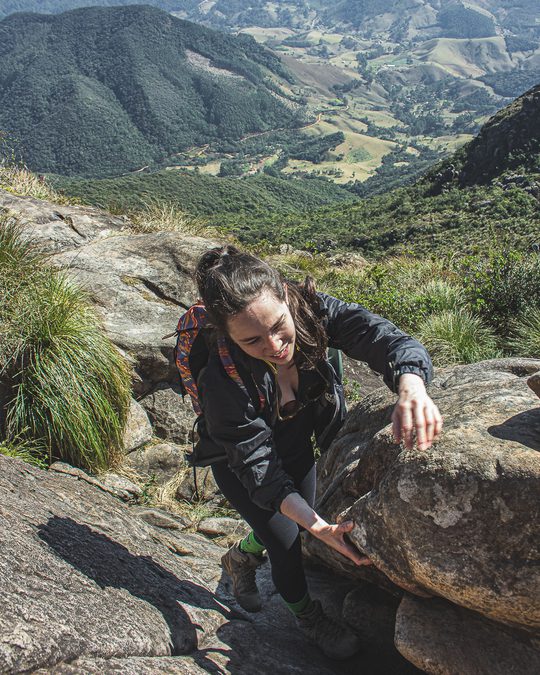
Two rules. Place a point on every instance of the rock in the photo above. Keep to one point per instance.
(115, 485)
(534, 383)
(88, 587)
(120, 487)
(206, 486)
(371, 612)
(160, 518)
(443, 639)
(461, 520)
(223, 526)
(140, 284)
(56, 228)
(172, 418)
(347, 259)
(162, 461)
(138, 429)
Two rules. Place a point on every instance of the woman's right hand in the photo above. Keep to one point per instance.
(333, 536)
(296, 508)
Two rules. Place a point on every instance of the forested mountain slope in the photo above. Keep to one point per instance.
(100, 91)
(488, 191)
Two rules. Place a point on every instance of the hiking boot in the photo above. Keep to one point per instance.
(332, 638)
(241, 566)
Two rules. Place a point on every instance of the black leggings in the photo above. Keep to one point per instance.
(279, 534)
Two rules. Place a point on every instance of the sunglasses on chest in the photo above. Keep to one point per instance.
(292, 408)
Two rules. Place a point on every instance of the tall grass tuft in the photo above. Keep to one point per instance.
(439, 295)
(68, 386)
(457, 336)
(158, 216)
(525, 334)
(19, 180)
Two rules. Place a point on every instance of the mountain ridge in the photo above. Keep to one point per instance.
(101, 91)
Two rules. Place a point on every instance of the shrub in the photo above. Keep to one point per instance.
(501, 285)
(525, 334)
(68, 388)
(457, 336)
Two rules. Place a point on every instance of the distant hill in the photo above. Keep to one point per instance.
(487, 191)
(58, 6)
(509, 141)
(220, 201)
(101, 91)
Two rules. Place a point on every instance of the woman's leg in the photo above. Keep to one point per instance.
(278, 533)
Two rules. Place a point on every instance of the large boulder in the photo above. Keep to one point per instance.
(55, 227)
(140, 284)
(461, 520)
(444, 639)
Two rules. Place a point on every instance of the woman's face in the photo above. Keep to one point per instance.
(265, 329)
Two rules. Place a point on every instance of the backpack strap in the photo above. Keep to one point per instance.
(232, 370)
(189, 325)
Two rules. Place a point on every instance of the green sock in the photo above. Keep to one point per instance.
(251, 544)
(300, 606)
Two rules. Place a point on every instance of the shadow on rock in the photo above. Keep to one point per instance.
(111, 564)
(523, 428)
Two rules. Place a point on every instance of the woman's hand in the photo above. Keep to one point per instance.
(415, 412)
(295, 507)
(332, 535)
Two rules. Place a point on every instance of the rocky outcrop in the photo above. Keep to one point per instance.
(89, 584)
(139, 283)
(460, 521)
(441, 638)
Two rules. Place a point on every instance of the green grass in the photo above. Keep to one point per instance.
(457, 336)
(68, 387)
(525, 333)
(25, 450)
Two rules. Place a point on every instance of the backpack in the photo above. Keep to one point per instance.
(191, 355)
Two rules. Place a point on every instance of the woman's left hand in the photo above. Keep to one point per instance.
(415, 411)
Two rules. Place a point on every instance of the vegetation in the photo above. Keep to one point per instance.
(220, 201)
(463, 22)
(80, 109)
(446, 301)
(65, 389)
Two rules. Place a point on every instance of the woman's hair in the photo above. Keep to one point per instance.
(229, 280)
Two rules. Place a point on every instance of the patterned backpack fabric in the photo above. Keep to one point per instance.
(191, 355)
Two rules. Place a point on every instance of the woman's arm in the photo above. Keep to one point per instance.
(403, 361)
(295, 507)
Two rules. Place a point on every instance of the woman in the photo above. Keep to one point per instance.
(277, 334)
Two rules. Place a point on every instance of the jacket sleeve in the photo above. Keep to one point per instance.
(233, 423)
(365, 336)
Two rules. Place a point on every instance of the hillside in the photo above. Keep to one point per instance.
(488, 191)
(217, 200)
(101, 91)
(510, 141)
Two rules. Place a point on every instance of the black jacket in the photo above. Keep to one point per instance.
(233, 427)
